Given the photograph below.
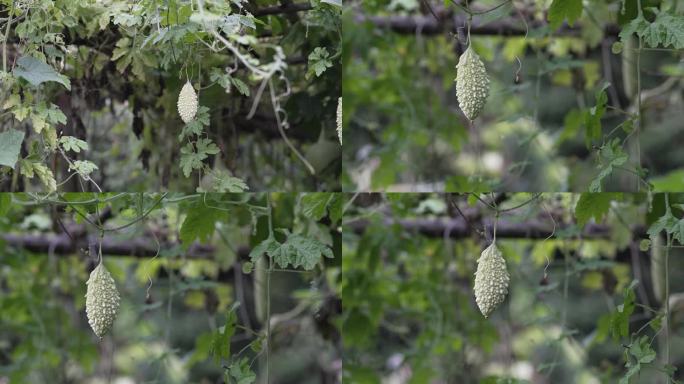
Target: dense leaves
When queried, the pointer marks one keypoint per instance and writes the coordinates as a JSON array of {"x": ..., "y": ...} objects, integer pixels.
[
  {"x": 109, "y": 74},
  {"x": 582, "y": 304},
  {"x": 190, "y": 310},
  {"x": 565, "y": 112}
]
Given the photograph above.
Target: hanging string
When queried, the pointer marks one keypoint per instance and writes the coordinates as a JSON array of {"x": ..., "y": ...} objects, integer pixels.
[
  {"x": 99, "y": 246},
  {"x": 496, "y": 222},
  {"x": 469, "y": 22}
]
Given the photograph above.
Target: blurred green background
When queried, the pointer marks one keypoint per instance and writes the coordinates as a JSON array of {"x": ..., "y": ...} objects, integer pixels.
[
  {"x": 409, "y": 309},
  {"x": 193, "y": 309},
  {"x": 406, "y": 133}
]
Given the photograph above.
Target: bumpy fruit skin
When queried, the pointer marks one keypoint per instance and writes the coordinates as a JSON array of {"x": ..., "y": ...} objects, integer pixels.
[
  {"x": 187, "y": 103},
  {"x": 491, "y": 280},
  {"x": 472, "y": 84},
  {"x": 102, "y": 300}
]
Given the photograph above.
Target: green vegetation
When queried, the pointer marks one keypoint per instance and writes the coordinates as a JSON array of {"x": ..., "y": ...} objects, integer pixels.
[
  {"x": 583, "y": 96},
  {"x": 587, "y": 302},
  {"x": 89, "y": 91},
  {"x": 231, "y": 288}
]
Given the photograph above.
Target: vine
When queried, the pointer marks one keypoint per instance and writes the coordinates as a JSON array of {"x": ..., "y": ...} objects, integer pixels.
[
  {"x": 125, "y": 57},
  {"x": 510, "y": 151},
  {"x": 142, "y": 225},
  {"x": 575, "y": 250}
]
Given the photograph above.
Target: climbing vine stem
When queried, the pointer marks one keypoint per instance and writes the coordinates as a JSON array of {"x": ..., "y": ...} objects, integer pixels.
[
  {"x": 471, "y": 13},
  {"x": 638, "y": 96},
  {"x": 134, "y": 221},
  {"x": 268, "y": 292},
  {"x": 493, "y": 205},
  {"x": 667, "y": 287}
]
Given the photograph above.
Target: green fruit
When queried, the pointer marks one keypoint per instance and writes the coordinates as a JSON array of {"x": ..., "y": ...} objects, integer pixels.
[
  {"x": 491, "y": 280},
  {"x": 102, "y": 300},
  {"x": 472, "y": 84},
  {"x": 187, "y": 103}
]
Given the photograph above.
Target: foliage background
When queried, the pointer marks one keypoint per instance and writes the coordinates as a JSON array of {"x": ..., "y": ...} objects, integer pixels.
[
  {"x": 572, "y": 314},
  {"x": 108, "y": 74},
  {"x": 181, "y": 265},
  {"x": 551, "y": 122}
]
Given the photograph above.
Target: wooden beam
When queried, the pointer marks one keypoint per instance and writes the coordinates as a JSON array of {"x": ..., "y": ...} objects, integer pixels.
[
  {"x": 427, "y": 25},
  {"x": 282, "y": 9},
  {"x": 143, "y": 246},
  {"x": 457, "y": 228}
]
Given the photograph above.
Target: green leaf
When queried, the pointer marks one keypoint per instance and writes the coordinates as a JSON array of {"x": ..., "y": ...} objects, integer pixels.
[
  {"x": 37, "y": 72},
  {"x": 594, "y": 205},
  {"x": 192, "y": 155},
  {"x": 666, "y": 222},
  {"x": 592, "y": 118},
  {"x": 642, "y": 351},
  {"x": 241, "y": 372},
  {"x": 620, "y": 318},
  {"x": 196, "y": 126},
  {"x": 223, "y": 182},
  {"x": 189, "y": 160},
  {"x": 265, "y": 247},
  {"x": 55, "y": 115},
  {"x": 207, "y": 146},
  {"x": 220, "y": 343},
  {"x": 45, "y": 175},
  {"x": 300, "y": 251},
  {"x": 199, "y": 223},
  {"x": 314, "y": 205},
  {"x": 297, "y": 251},
  {"x": 83, "y": 167},
  {"x": 319, "y": 62},
  {"x": 637, "y": 25},
  {"x": 10, "y": 146},
  {"x": 666, "y": 30},
  {"x": 335, "y": 207},
  {"x": 70, "y": 143},
  {"x": 611, "y": 155},
  {"x": 240, "y": 85},
  {"x": 564, "y": 9}
]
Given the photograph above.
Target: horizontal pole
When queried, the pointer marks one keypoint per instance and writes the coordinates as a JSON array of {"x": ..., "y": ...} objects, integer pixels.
[
  {"x": 457, "y": 228},
  {"x": 427, "y": 25},
  {"x": 282, "y": 9},
  {"x": 142, "y": 247}
]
